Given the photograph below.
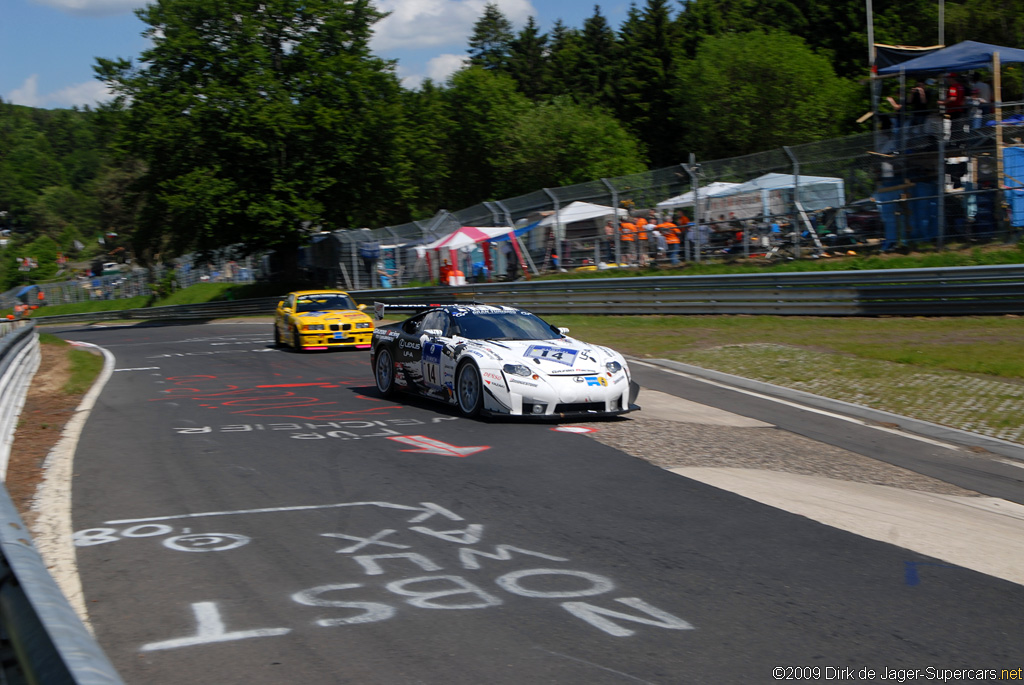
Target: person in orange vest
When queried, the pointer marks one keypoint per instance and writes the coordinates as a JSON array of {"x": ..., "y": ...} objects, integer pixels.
[
  {"x": 627, "y": 234},
  {"x": 446, "y": 272},
  {"x": 41, "y": 297},
  {"x": 642, "y": 238},
  {"x": 672, "y": 238}
]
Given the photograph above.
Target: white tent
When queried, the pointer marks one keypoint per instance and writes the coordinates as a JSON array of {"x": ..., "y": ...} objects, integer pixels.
[
  {"x": 772, "y": 194},
  {"x": 580, "y": 211},
  {"x": 687, "y": 199}
]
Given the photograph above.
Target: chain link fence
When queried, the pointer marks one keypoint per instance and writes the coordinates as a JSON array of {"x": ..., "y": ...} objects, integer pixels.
[
  {"x": 123, "y": 281},
  {"x": 910, "y": 184},
  {"x": 937, "y": 182}
]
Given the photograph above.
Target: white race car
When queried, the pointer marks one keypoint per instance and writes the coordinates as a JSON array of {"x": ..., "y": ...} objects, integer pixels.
[{"x": 498, "y": 361}]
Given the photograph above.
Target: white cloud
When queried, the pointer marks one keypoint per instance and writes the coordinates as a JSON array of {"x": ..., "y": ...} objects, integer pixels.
[
  {"x": 432, "y": 23},
  {"x": 438, "y": 69},
  {"x": 94, "y": 8},
  {"x": 443, "y": 66},
  {"x": 88, "y": 93},
  {"x": 27, "y": 95}
]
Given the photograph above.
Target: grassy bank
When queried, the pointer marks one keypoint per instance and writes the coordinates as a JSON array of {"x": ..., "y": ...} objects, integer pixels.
[
  {"x": 955, "y": 255},
  {"x": 991, "y": 345},
  {"x": 965, "y": 372},
  {"x": 84, "y": 366}
]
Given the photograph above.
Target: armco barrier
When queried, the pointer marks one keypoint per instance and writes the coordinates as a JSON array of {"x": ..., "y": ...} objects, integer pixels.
[
  {"x": 44, "y": 641},
  {"x": 953, "y": 291},
  {"x": 19, "y": 359}
]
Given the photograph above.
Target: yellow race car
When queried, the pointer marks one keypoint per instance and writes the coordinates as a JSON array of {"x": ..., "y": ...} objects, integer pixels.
[{"x": 321, "y": 319}]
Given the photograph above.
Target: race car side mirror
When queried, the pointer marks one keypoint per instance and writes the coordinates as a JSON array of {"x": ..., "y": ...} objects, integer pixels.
[
  {"x": 360, "y": 307},
  {"x": 563, "y": 331},
  {"x": 434, "y": 332}
]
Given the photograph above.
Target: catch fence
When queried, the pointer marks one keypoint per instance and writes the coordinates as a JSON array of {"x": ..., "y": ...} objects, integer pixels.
[
  {"x": 894, "y": 190},
  {"x": 902, "y": 187},
  {"x": 125, "y": 281}
]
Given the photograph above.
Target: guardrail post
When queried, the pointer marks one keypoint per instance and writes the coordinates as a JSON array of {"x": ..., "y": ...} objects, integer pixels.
[
  {"x": 693, "y": 170},
  {"x": 615, "y": 219}
]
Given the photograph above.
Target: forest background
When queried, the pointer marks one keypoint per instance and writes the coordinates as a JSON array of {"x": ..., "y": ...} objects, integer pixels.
[{"x": 253, "y": 122}]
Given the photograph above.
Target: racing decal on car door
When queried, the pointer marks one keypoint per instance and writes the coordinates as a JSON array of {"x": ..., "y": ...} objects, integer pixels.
[
  {"x": 561, "y": 355},
  {"x": 431, "y": 364}
]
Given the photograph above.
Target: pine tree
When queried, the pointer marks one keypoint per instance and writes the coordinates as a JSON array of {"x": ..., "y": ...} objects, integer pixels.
[
  {"x": 527, "y": 62},
  {"x": 490, "y": 44},
  {"x": 646, "y": 80}
]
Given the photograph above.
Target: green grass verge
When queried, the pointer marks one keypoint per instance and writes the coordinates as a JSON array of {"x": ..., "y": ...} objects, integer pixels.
[
  {"x": 954, "y": 256},
  {"x": 990, "y": 345},
  {"x": 85, "y": 366}
]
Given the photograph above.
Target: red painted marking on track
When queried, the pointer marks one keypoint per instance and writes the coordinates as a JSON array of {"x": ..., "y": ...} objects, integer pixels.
[{"x": 230, "y": 391}]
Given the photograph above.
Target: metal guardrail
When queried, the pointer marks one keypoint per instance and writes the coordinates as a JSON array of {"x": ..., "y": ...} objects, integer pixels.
[
  {"x": 43, "y": 639},
  {"x": 949, "y": 291},
  {"x": 19, "y": 359}
]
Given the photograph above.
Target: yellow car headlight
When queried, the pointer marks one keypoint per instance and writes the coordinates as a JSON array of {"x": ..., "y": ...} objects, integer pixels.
[
  {"x": 364, "y": 324},
  {"x": 313, "y": 327}
]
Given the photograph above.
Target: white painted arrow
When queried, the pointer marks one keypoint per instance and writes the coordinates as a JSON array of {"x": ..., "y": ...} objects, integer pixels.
[{"x": 427, "y": 445}]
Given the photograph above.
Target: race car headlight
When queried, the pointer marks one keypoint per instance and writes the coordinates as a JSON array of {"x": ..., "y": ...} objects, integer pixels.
[
  {"x": 517, "y": 369},
  {"x": 313, "y": 327},
  {"x": 613, "y": 367},
  {"x": 364, "y": 324}
]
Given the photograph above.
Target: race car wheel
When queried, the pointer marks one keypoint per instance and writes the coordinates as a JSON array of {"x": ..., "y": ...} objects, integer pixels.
[
  {"x": 296, "y": 340},
  {"x": 384, "y": 372},
  {"x": 469, "y": 389},
  {"x": 277, "y": 336}
]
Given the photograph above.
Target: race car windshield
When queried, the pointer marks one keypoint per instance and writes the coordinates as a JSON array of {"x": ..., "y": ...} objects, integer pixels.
[
  {"x": 316, "y": 303},
  {"x": 508, "y": 326}
]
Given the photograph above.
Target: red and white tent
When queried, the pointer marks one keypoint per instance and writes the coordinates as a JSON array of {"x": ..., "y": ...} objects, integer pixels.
[{"x": 466, "y": 236}]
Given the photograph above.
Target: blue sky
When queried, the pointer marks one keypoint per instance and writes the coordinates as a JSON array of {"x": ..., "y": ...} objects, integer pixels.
[{"x": 48, "y": 47}]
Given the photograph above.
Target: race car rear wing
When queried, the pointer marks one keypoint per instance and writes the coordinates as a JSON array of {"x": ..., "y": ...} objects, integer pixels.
[{"x": 379, "y": 308}]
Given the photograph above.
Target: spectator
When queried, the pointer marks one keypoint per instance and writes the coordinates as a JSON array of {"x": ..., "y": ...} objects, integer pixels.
[
  {"x": 981, "y": 95},
  {"x": 511, "y": 261},
  {"x": 627, "y": 235},
  {"x": 698, "y": 238},
  {"x": 661, "y": 240},
  {"x": 918, "y": 103},
  {"x": 955, "y": 102},
  {"x": 609, "y": 240},
  {"x": 672, "y": 239},
  {"x": 642, "y": 240},
  {"x": 683, "y": 222}
]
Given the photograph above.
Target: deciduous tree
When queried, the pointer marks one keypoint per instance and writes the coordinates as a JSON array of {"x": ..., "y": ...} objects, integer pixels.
[
  {"x": 257, "y": 118},
  {"x": 759, "y": 91}
]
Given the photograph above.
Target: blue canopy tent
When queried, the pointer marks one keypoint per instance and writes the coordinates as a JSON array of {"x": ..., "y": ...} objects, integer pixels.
[
  {"x": 966, "y": 56},
  {"x": 26, "y": 292},
  {"x": 960, "y": 57}
]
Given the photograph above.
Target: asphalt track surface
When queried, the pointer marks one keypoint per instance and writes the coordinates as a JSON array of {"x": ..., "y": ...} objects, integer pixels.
[{"x": 248, "y": 514}]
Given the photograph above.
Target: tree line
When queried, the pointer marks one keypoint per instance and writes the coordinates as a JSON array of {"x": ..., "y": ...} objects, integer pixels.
[{"x": 259, "y": 121}]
